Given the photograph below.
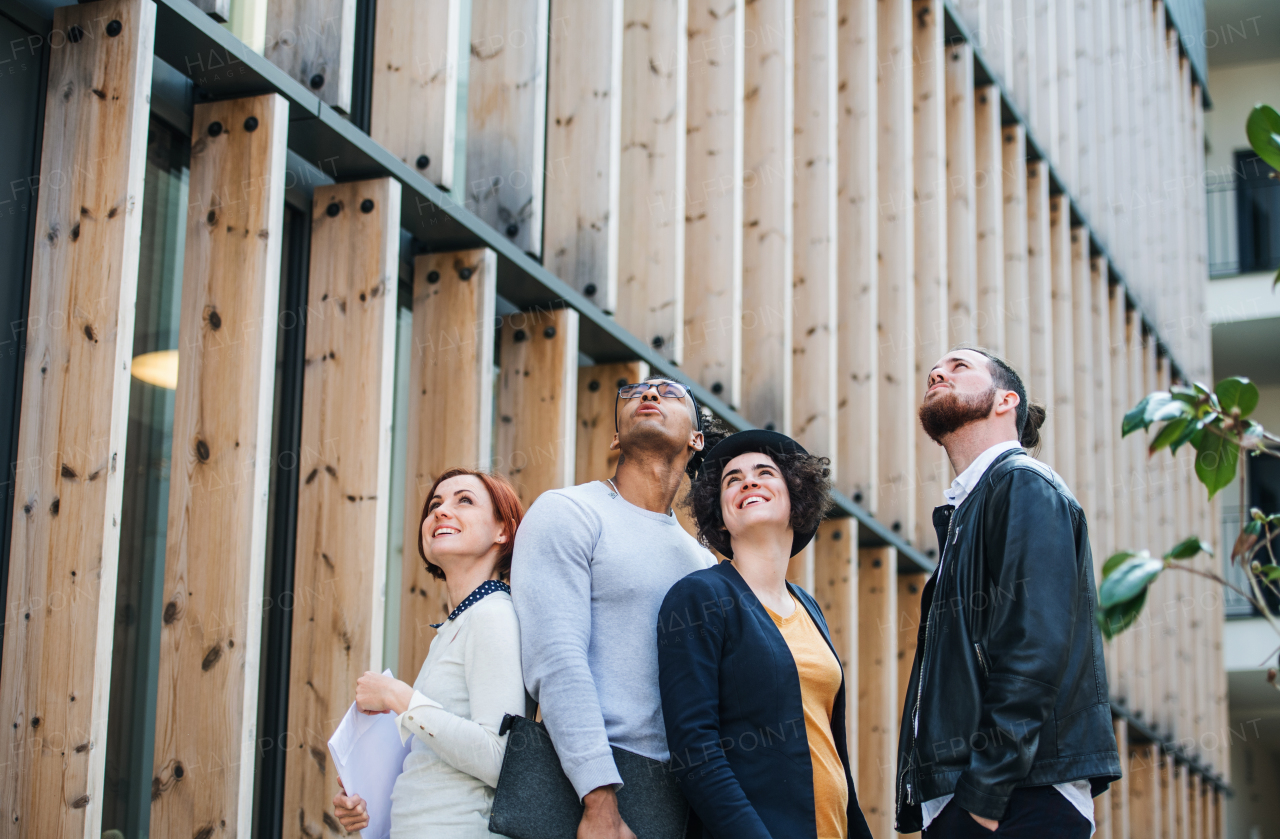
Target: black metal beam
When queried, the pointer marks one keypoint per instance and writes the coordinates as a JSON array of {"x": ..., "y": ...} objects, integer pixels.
[{"x": 1148, "y": 734}]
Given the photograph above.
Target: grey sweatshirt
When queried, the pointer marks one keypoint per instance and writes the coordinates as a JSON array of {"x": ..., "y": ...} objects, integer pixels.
[{"x": 587, "y": 579}]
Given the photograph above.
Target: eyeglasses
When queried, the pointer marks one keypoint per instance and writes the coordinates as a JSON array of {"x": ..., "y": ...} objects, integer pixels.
[{"x": 666, "y": 389}]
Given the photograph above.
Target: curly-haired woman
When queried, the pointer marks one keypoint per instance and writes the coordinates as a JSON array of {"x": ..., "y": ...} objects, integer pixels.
[
  {"x": 471, "y": 677},
  {"x": 753, "y": 695}
]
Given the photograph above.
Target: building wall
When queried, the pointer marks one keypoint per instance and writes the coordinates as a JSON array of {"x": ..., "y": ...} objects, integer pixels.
[{"x": 1236, "y": 89}]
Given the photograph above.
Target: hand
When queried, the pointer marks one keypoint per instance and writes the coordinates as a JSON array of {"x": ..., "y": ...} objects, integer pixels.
[
  {"x": 601, "y": 819},
  {"x": 989, "y": 824},
  {"x": 379, "y": 694},
  {"x": 350, "y": 810}
]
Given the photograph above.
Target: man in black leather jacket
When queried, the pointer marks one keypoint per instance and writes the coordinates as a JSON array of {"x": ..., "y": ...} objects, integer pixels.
[{"x": 1007, "y": 725}]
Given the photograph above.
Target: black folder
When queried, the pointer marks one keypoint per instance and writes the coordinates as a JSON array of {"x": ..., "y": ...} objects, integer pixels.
[{"x": 535, "y": 800}]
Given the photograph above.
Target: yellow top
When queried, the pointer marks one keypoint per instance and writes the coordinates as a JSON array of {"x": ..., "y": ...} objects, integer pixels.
[{"x": 820, "y": 676}]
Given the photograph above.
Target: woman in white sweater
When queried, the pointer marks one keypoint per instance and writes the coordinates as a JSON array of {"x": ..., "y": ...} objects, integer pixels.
[{"x": 471, "y": 677}]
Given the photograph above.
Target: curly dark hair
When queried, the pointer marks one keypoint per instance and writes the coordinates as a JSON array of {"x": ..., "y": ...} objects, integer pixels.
[{"x": 808, "y": 480}]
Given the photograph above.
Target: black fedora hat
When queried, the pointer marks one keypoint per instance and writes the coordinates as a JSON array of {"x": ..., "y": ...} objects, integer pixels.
[{"x": 771, "y": 443}]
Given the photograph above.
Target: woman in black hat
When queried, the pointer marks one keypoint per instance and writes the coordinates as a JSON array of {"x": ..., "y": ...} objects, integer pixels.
[{"x": 753, "y": 695}]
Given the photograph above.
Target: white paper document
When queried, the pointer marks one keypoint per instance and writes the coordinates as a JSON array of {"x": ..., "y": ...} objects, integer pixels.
[{"x": 367, "y": 752}]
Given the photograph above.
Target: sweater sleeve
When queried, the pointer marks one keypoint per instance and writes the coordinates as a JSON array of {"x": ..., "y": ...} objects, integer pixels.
[
  {"x": 551, "y": 588},
  {"x": 495, "y": 688},
  {"x": 690, "y": 640}
]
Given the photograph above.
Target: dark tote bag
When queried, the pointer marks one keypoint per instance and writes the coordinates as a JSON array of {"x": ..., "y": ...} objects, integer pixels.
[{"x": 535, "y": 800}]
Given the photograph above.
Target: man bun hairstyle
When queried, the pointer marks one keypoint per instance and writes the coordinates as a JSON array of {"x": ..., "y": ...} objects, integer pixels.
[{"x": 1030, "y": 415}]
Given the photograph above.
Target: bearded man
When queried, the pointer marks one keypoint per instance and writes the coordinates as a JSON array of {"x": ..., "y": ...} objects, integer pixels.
[{"x": 1007, "y": 725}]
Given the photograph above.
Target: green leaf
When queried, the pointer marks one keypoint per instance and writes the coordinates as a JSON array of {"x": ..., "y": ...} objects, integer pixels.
[
  {"x": 1201, "y": 389},
  {"x": 1116, "y": 619},
  {"x": 1253, "y": 528},
  {"x": 1216, "y": 461},
  {"x": 1192, "y": 428},
  {"x": 1237, "y": 392},
  {"x": 1171, "y": 431},
  {"x": 1129, "y": 580},
  {"x": 1184, "y": 394},
  {"x": 1135, "y": 419},
  {"x": 1270, "y": 572},
  {"x": 1115, "y": 560},
  {"x": 1188, "y": 548},
  {"x": 1263, "y": 129},
  {"x": 1171, "y": 409}
]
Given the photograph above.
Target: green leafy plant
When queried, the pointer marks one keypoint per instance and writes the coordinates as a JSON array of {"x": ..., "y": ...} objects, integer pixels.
[
  {"x": 1263, "y": 130},
  {"x": 1216, "y": 424}
]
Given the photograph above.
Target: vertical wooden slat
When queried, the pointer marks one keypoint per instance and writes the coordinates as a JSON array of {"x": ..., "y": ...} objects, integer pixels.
[
  {"x": 857, "y": 265},
  {"x": 1062, "y": 405},
  {"x": 1144, "y": 792},
  {"x": 835, "y": 587},
  {"x": 989, "y": 198},
  {"x": 416, "y": 109},
  {"x": 896, "y": 293},
  {"x": 714, "y": 196},
  {"x": 814, "y": 334},
  {"x": 1044, "y": 120},
  {"x": 767, "y": 198},
  {"x": 1085, "y": 489},
  {"x": 597, "y": 395},
  {"x": 962, "y": 222},
  {"x": 1086, "y": 106},
  {"x": 534, "y": 433},
  {"x": 651, "y": 173},
  {"x": 450, "y": 411},
  {"x": 933, "y": 471},
  {"x": 344, "y": 476},
  {"x": 69, "y": 468},
  {"x": 1024, "y": 81},
  {"x": 314, "y": 41},
  {"x": 1120, "y": 796},
  {"x": 1040, "y": 297},
  {"x": 1017, "y": 298},
  {"x": 1123, "y": 687},
  {"x": 878, "y": 712},
  {"x": 215, "y": 557},
  {"x": 506, "y": 118},
  {"x": 1135, "y": 488},
  {"x": 1067, "y": 144},
  {"x": 584, "y": 117}
]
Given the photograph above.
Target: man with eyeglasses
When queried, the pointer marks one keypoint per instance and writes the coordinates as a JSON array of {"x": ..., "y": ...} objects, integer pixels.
[{"x": 591, "y": 566}]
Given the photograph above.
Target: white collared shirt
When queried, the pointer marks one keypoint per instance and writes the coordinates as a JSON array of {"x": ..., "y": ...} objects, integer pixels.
[{"x": 1078, "y": 793}]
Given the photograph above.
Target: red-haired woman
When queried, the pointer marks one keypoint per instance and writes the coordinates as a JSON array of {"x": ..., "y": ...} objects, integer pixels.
[{"x": 471, "y": 677}]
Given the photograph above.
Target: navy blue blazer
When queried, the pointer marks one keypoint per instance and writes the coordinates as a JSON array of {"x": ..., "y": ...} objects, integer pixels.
[{"x": 733, "y": 713}]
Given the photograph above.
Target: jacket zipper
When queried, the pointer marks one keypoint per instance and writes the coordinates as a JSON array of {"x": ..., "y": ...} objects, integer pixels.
[
  {"x": 915, "y": 716},
  {"x": 982, "y": 660}
]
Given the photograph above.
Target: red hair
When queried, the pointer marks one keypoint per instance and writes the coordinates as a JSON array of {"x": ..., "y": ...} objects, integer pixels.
[{"x": 506, "y": 511}]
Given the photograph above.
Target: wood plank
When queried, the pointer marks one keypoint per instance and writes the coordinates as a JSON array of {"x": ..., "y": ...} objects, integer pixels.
[
  {"x": 835, "y": 587},
  {"x": 1184, "y": 801},
  {"x": 1135, "y": 487},
  {"x": 1104, "y": 421},
  {"x": 534, "y": 436},
  {"x": 1067, "y": 144},
  {"x": 1120, "y": 796},
  {"x": 999, "y": 46},
  {"x": 714, "y": 198},
  {"x": 506, "y": 117},
  {"x": 1040, "y": 297},
  {"x": 597, "y": 397},
  {"x": 1102, "y": 105},
  {"x": 1024, "y": 81},
  {"x": 933, "y": 470},
  {"x": 69, "y": 467},
  {"x": 220, "y": 468},
  {"x": 651, "y": 166},
  {"x": 857, "y": 266},
  {"x": 418, "y": 111},
  {"x": 1144, "y": 792},
  {"x": 895, "y": 328},
  {"x": 1062, "y": 404},
  {"x": 1044, "y": 119},
  {"x": 768, "y": 196},
  {"x": 962, "y": 220},
  {"x": 989, "y": 198},
  {"x": 1087, "y": 107},
  {"x": 1123, "y": 687},
  {"x": 878, "y": 711},
  {"x": 450, "y": 414},
  {"x": 1086, "y": 486},
  {"x": 1017, "y": 297},
  {"x": 314, "y": 41},
  {"x": 815, "y": 280},
  {"x": 800, "y": 569},
  {"x": 344, "y": 476},
  {"x": 584, "y": 121}
]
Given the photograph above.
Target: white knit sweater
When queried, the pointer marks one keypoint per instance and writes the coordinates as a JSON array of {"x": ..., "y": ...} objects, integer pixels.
[{"x": 471, "y": 678}]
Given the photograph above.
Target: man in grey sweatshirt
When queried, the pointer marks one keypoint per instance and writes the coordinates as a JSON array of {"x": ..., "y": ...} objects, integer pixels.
[{"x": 591, "y": 566}]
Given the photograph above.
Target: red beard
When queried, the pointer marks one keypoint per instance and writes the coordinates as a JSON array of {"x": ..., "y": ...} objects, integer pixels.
[{"x": 948, "y": 412}]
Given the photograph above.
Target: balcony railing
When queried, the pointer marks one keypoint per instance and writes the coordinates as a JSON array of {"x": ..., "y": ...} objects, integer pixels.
[{"x": 1244, "y": 220}]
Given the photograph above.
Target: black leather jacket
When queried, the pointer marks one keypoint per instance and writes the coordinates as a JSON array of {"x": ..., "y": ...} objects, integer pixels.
[{"x": 1008, "y": 682}]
